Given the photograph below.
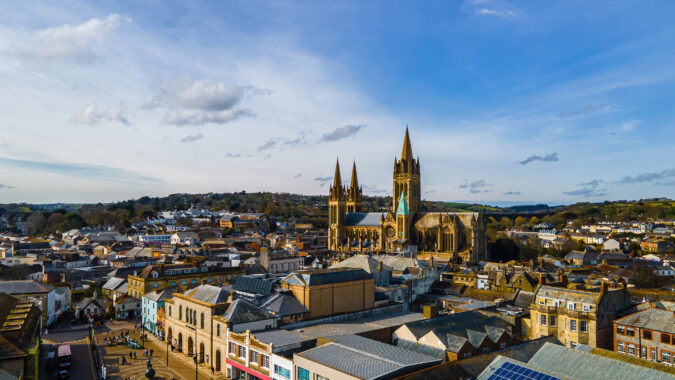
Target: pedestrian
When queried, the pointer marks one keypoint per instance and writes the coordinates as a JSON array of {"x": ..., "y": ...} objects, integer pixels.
[
  {"x": 131, "y": 355},
  {"x": 151, "y": 352},
  {"x": 212, "y": 371},
  {"x": 134, "y": 355}
]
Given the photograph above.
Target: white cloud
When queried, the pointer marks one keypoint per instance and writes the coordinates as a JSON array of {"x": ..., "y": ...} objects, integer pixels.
[
  {"x": 202, "y": 102},
  {"x": 74, "y": 43},
  {"x": 90, "y": 115},
  {"x": 494, "y": 8}
]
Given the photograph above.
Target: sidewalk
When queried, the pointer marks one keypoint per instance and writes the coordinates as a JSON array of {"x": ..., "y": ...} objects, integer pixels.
[{"x": 178, "y": 362}]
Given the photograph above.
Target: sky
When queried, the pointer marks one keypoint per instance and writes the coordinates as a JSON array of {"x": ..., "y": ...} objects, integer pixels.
[{"x": 528, "y": 101}]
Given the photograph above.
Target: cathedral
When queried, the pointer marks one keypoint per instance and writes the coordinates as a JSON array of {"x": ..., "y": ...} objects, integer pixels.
[{"x": 457, "y": 235}]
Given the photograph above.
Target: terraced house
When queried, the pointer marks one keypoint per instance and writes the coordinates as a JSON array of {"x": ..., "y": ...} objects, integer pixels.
[
  {"x": 576, "y": 315},
  {"x": 648, "y": 334}
]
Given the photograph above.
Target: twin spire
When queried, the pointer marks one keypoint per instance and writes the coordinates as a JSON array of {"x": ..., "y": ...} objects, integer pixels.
[{"x": 337, "y": 180}]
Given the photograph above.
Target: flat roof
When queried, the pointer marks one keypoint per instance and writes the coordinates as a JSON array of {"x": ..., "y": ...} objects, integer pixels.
[{"x": 357, "y": 326}]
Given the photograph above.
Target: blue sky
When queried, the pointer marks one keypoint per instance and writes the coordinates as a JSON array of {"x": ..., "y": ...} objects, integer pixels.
[{"x": 552, "y": 102}]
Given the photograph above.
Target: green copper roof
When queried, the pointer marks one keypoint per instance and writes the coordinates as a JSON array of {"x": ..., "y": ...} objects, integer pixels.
[{"x": 402, "y": 205}]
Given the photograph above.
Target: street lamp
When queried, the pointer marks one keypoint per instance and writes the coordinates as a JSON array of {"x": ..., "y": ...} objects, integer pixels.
[
  {"x": 196, "y": 365},
  {"x": 167, "y": 350}
]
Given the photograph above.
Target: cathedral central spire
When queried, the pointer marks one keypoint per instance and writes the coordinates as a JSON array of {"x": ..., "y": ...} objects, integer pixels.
[{"x": 406, "y": 152}]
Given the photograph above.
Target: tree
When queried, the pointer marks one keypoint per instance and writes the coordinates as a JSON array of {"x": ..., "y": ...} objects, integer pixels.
[
  {"x": 534, "y": 221},
  {"x": 36, "y": 223},
  {"x": 520, "y": 221},
  {"x": 505, "y": 223}
]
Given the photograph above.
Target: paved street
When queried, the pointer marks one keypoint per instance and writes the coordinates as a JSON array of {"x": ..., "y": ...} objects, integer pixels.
[{"x": 179, "y": 366}]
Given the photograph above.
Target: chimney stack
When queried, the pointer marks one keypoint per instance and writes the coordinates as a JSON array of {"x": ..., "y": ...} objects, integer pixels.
[
  {"x": 563, "y": 279},
  {"x": 542, "y": 279}
]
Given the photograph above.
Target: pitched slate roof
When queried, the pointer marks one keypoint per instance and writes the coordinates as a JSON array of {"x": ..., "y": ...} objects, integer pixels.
[
  {"x": 242, "y": 311},
  {"x": 576, "y": 295},
  {"x": 366, "y": 358},
  {"x": 652, "y": 319},
  {"x": 363, "y": 218},
  {"x": 253, "y": 285},
  {"x": 114, "y": 282},
  {"x": 579, "y": 364},
  {"x": 366, "y": 262},
  {"x": 284, "y": 304},
  {"x": 327, "y": 276},
  {"x": 24, "y": 287},
  {"x": 208, "y": 293}
]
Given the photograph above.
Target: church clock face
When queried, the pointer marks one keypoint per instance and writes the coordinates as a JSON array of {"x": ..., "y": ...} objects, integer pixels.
[{"x": 390, "y": 233}]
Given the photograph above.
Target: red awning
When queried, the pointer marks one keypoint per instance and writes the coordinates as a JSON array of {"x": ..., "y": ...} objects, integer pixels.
[{"x": 247, "y": 370}]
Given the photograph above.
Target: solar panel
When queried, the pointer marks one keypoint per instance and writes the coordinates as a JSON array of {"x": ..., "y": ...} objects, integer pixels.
[{"x": 510, "y": 371}]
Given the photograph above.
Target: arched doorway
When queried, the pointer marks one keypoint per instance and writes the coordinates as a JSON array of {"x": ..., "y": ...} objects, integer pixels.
[
  {"x": 218, "y": 360},
  {"x": 201, "y": 352},
  {"x": 190, "y": 346},
  {"x": 180, "y": 342}
]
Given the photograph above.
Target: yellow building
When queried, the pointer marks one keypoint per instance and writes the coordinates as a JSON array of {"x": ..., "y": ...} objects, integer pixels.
[
  {"x": 183, "y": 276},
  {"x": 449, "y": 234},
  {"x": 463, "y": 277},
  {"x": 576, "y": 315},
  {"x": 327, "y": 292}
]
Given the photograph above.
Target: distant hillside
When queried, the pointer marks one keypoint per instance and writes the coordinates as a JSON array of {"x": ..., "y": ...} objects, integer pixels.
[{"x": 308, "y": 208}]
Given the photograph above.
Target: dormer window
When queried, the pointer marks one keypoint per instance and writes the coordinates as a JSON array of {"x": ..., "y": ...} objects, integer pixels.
[{"x": 570, "y": 306}]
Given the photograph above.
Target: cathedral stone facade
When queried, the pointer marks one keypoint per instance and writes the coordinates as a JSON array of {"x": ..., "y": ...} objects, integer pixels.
[{"x": 446, "y": 234}]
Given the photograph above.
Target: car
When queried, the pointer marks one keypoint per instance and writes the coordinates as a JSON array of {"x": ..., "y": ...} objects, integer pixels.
[{"x": 63, "y": 374}]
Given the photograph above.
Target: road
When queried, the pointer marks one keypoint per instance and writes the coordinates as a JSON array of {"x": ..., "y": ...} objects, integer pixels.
[{"x": 75, "y": 335}]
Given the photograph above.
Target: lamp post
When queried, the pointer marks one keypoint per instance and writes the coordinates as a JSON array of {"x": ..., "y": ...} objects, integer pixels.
[{"x": 196, "y": 366}]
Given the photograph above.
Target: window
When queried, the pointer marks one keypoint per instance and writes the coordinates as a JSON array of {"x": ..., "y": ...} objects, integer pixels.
[
  {"x": 194, "y": 281},
  {"x": 665, "y": 338},
  {"x": 665, "y": 356},
  {"x": 573, "y": 325},
  {"x": 254, "y": 357},
  {"x": 556, "y": 303},
  {"x": 583, "y": 325},
  {"x": 319, "y": 377},
  {"x": 586, "y": 308},
  {"x": 552, "y": 321},
  {"x": 233, "y": 348},
  {"x": 201, "y": 322},
  {"x": 486, "y": 349},
  {"x": 543, "y": 320},
  {"x": 467, "y": 355},
  {"x": 653, "y": 354},
  {"x": 218, "y": 329},
  {"x": 630, "y": 331},
  {"x": 265, "y": 361},
  {"x": 303, "y": 374},
  {"x": 281, "y": 371},
  {"x": 631, "y": 349},
  {"x": 646, "y": 334},
  {"x": 644, "y": 352},
  {"x": 502, "y": 345},
  {"x": 570, "y": 306},
  {"x": 621, "y": 330},
  {"x": 621, "y": 347},
  {"x": 173, "y": 283},
  {"x": 242, "y": 352},
  {"x": 180, "y": 312},
  {"x": 183, "y": 282}
]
